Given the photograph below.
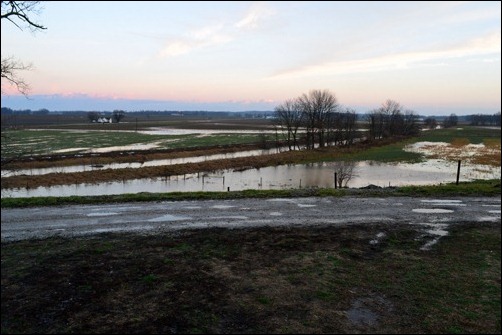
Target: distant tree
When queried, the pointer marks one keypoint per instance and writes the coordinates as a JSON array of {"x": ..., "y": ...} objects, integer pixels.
[
  {"x": 393, "y": 117},
  {"x": 7, "y": 110},
  {"x": 93, "y": 116},
  {"x": 341, "y": 127},
  {"x": 376, "y": 124},
  {"x": 118, "y": 115},
  {"x": 43, "y": 111},
  {"x": 317, "y": 106},
  {"x": 430, "y": 122},
  {"x": 289, "y": 116},
  {"x": 496, "y": 119},
  {"x": 18, "y": 13},
  {"x": 313, "y": 112},
  {"x": 450, "y": 121},
  {"x": 411, "y": 127},
  {"x": 392, "y": 120}
]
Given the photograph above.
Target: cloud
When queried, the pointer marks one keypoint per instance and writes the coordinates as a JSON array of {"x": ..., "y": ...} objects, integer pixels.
[
  {"x": 203, "y": 37},
  {"x": 257, "y": 13},
  {"x": 216, "y": 34},
  {"x": 485, "y": 45}
]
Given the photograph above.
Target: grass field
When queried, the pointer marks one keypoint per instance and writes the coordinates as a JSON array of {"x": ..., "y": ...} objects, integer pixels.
[{"x": 271, "y": 280}]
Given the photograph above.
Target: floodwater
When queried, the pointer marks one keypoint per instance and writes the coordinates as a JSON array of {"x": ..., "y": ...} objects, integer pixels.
[
  {"x": 317, "y": 175},
  {"x": 136, "y": 165}
]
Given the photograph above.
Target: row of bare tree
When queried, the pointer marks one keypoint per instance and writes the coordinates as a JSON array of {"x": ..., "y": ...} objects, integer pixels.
[
  {"x": 317, "y": 119},
  {"x": 314, "y": 119}
]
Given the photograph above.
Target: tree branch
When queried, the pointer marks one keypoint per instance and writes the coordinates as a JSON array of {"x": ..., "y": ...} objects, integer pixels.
[{"x": 12, "y": 10}]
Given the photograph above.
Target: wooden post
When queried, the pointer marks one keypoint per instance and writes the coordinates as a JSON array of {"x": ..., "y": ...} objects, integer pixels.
[
  {"x": 458, "y": 171},
  {"x": 335, "y": 181}
]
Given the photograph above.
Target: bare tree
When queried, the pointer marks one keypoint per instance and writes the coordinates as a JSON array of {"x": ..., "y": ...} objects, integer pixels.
[
  {"x": 450, "y": 121},
  {"x": 431, "y": 122},
  {"x": 376, "y": 124},
  {"x": 289, "y": 116},
  {"x": 93, "y": 116},
  {"x": 391, "y": 120},
  {"x": 10, "y": 69},
  {"x": 393, "y": 117},
  {"x": 345, "y": 171},
  {"x": 317, "y": 106},
  {"x": 18, "y": 13},
  {"x": 118, "y": 115}
]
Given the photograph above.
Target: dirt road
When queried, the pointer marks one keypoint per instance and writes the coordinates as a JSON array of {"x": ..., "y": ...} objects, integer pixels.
[{"x": 433, "y": 216}]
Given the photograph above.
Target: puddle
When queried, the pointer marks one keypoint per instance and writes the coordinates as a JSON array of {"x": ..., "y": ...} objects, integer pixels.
[
  {"x": 427, "y": 246},
  {"x": 437, "y": 230},
  {"x": 117, "y": 229},
  {"x": 489, "y": 218},
  {"x": 431, "y": 210},
  {"x": 379, "y": 236},
  {"x": 360, "y": 316},
  {"x": 102, "y": 214},
  {"x": 363, "y": 311},
  {"x": 169, "y": 218}
]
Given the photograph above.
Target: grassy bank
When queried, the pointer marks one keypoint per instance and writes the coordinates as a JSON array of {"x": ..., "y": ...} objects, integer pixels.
[
  {"x": 270, "y": 280},
  {"x": 475, "y": 188}
]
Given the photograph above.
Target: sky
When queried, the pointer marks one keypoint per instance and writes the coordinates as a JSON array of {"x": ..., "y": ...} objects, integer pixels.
[{"x": 435, "y": 58}]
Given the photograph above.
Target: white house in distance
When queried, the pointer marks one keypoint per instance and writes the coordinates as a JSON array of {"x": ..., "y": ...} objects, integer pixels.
[{"x": 103, "y": 119}]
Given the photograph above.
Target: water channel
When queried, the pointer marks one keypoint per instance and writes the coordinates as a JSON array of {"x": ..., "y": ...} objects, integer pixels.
[{"x": 317, "y": 175}]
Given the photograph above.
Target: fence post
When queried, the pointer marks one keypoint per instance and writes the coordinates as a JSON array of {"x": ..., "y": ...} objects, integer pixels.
[
  {"x": 335, "y": 181},
  {"x": 458, "y": 171}
]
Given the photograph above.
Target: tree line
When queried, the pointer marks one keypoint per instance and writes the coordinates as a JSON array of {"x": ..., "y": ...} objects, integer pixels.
[{"x": 317, "y": 119}]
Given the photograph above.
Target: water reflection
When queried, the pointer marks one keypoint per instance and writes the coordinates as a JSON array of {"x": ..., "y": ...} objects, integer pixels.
[
  {"x": 158, "y": 162},
  {"x": 280, "y": 177}
]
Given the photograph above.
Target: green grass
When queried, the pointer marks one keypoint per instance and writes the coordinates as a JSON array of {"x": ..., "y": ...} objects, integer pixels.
[
  {"x": 44, "y": 142},
  {"x": 475, "y": 135},
  {"x": 388, "y": 153}
]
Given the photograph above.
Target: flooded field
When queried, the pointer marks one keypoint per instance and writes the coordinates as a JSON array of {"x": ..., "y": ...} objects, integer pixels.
[
  {"x": 439, "y": 165},
  {"x": 319, "y": 175}
]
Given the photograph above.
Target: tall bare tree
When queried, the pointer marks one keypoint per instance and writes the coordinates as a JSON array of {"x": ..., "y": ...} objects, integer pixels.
[
  {"x": 317, "y": 106},
  {"x": 18, "y": 13},
  {"x": 392, "y": 120},
  {"x": 288, "y": 115}
]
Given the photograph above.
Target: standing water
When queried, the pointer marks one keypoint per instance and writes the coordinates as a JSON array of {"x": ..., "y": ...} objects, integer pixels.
[{"x": 317, "y": 175}]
